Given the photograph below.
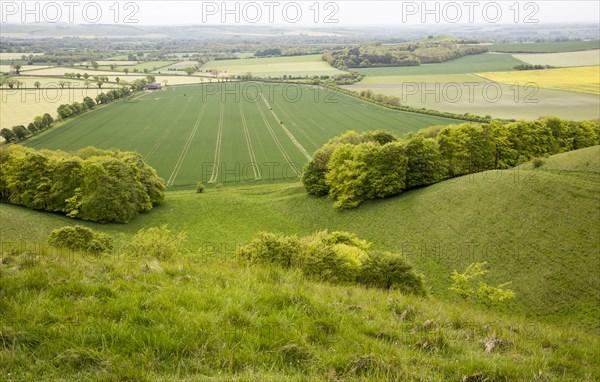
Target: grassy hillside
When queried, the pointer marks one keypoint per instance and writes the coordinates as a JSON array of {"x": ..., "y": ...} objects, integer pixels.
[
  {"x": 77, "y": 318},
  {"x": 534, "y": 227}
]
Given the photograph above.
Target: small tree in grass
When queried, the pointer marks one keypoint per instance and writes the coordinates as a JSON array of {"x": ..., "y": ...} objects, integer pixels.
[
  {"x": 199, "y": 187},
  {"x": 486, "y": 294}
]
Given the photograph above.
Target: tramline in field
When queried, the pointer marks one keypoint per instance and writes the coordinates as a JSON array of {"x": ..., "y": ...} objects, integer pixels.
[{"x": 228, "y": 133}]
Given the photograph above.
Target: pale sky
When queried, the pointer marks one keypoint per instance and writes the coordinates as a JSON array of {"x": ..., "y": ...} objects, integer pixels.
[{"x": 303, "y": 13}]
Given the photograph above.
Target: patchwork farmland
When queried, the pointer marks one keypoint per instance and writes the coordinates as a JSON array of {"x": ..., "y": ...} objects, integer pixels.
[{"x": 228, "y": 133}]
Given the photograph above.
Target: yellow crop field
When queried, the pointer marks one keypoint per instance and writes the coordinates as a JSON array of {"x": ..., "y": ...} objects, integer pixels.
[{"x": 584, "y": 79}]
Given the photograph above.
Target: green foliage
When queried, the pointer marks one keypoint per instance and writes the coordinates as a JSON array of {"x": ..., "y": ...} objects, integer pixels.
[
  {"x": 338, "y": 257},
  {"x": 388, "y": 270},
  {"x": 485, "y": 294},
  {"x": 284, "y": 251},
  {"x": 156, "y": 243},
  {"x": 78, "y": 238},
  {"x": 357, "y": 167},
  {"x": 366, "y": 171},
  {"x": 199, "y": 188},
  {"x": 425, "y": 163},
  {"x": 408, "y": 54},
  {"x": 104, "y": 186}
]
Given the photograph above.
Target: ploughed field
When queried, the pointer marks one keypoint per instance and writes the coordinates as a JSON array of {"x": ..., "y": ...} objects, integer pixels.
[{"x": 229, "y": 132}]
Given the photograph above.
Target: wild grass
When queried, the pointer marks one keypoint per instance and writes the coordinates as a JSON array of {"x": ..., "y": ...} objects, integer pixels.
[{"x": 75, "y": 317}]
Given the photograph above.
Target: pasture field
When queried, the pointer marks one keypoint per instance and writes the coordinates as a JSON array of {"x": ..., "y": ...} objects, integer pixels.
[
  {"x": 496, "y": 99},
  {"x": 545, "y": 47},
  {"x": 565, "y": 59},
  {"x": 580, "y": 79},
  {"x": 489, "y": 62},
  {"x": 310, "y": 65},
  {"x": 19, "y": 107},
  {"x": 228, "y": 133}
]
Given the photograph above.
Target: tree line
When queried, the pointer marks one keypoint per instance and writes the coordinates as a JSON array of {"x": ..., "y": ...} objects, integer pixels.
[
  {"x": 413, "y": 54},
  {"x": 89, "y": 184},
  {"x": 353, "y": 167}
]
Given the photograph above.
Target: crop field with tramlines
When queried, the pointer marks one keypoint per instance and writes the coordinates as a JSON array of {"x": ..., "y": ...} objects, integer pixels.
[{"x": 228, "y": 133}]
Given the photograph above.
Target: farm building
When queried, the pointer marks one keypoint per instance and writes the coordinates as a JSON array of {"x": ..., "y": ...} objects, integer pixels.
[{"x": 154, "y": 86}]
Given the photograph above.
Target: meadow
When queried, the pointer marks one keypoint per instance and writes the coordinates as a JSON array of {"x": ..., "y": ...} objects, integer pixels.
[
  {"x": 228, "y": 133},
  {"x": 545, "y": 47},
  {"x": 310, "y": 65},
  {"x": 565, "y": 59},
  {"x": 580, "y": 79}
]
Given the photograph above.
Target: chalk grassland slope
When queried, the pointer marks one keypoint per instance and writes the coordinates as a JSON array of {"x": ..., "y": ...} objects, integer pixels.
[
  {"x": 469, "y": 64},
  {"x": 76, "y": 318},
  {"x": 19, "y": 107},
  {"x": 496, "y": 99},
  {"x": 311, "y": 65},
  {"x": 566, "y": 59},
  {"x": 220, "y": 133},
  {"x": 546, "y": 47},
  {"x": 580, "y": 79},
  {"x": 537, "y": 228}
]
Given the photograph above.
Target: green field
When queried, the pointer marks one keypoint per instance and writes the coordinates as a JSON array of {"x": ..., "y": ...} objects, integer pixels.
[
  {"x": 311, "y": 65},
  {"x": 201, "y": 138},
  {"x": 496, "y": 99},
  {"x": 565, "y": 59},
  {"x": 546, "y": 47},
  {"x": 489, "y": 62}
]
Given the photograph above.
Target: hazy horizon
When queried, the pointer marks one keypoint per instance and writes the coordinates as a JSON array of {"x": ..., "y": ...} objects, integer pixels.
[{"x": 302, "y": 14}]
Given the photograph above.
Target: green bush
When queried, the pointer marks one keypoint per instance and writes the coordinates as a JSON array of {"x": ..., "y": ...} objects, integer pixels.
[
  {"x": 538, "y": 162},
  {"x": 78, "y": 238},
  {"x": 272, "y": 248},
  {"x": 391, "y": 271},
  {"x": 337, "y": 256},
  {"x": 199, "y": 188},
  {"x": 156, "y": 242},
  {"x": 334, "y": 263}
]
